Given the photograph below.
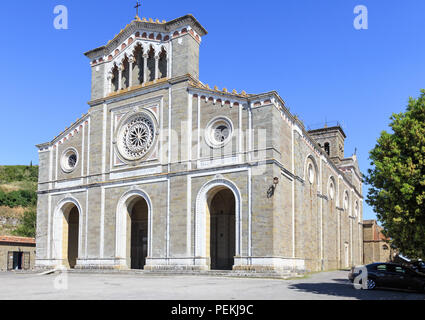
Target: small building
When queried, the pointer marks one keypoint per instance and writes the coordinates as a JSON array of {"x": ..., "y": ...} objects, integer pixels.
[
  {"x": 376, "y": 245},
  {"x": 16, "y": 253}
]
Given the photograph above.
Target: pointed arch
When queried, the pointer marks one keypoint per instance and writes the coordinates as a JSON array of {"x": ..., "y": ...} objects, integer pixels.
[
  {"x": 138, "y": 66},
  {"x": 151, "y": 64},
  {"x": 125, "y": 80},
  {"x": 115, "y": 78},
  {"x": 163, "y": 63}
]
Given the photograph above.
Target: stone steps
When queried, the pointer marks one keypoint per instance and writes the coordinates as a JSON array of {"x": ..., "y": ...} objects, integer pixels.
[{"x": 213, "y": 273}]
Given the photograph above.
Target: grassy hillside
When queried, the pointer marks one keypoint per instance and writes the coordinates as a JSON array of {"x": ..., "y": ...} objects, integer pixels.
[{"x": 18, "y": 186}]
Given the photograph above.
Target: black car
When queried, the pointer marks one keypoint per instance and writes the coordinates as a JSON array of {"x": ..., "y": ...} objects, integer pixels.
[
  {"x": 390, "y": 275},
  {"x": 418, "y": 266}
]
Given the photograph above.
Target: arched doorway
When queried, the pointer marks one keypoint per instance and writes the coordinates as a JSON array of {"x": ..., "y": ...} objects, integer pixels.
[
  {"x": 137, "y": 233},
  {"x": 221, "y": 226},
  {"x": 73, "y": 222},
  {"x": 66, "y": 233},
  {"x": 133, "y": 230}
]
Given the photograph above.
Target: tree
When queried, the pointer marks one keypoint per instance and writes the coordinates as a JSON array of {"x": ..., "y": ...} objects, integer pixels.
[
  {"x": 397, "y": 179},
  {"x": 27, "y": 228}
]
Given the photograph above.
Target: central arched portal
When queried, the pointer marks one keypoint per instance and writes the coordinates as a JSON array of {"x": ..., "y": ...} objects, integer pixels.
[
  {"x": 137, "y": 233},
  {"x": 72, "y": 241},
  {"x": 221, "y": 226}
]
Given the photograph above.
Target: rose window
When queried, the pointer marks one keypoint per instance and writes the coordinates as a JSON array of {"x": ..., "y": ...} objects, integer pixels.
[
  {"x": 219, "y": 132},
  {"x": 72, "y": 160},
  {"x": 69, "y": 160},
  {"x": 136, "y": 137}
]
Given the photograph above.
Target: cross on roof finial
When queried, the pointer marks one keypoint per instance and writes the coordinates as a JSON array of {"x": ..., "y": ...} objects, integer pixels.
[{"x": 138, "y": 4}]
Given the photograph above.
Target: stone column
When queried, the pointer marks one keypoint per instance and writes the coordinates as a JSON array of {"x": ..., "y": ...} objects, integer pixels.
[
  {"x": 156, "y": 67},
  {"x": 145, "y": 68},
  {"x": 109, "y": 78},
  {"x": 168, "y": 67},
  {"x": 120, "y": 70},
  {"x": 131, "y": 61}
]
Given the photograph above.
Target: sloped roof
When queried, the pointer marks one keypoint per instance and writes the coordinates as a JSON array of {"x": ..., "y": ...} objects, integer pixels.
[
  {"x": 151, "y": 25},
  {"x": 18, "y": 240}
]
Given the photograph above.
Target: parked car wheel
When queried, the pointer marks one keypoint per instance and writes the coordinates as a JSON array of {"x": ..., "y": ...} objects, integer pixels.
[{"x": 371, "y": 284}]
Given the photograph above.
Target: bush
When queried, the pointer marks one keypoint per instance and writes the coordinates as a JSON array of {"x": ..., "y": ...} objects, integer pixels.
[
  {"x": 27, "y": 227},
  {"x": 20, "y": 198},
  {"x": 18, "y": 173}
]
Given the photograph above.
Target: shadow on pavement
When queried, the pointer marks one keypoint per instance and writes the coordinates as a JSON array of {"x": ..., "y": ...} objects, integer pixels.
[{"x": 344, "y": 289}]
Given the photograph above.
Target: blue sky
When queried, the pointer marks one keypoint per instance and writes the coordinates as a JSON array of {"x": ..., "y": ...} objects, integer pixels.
[{"x": 307, "y": 50}]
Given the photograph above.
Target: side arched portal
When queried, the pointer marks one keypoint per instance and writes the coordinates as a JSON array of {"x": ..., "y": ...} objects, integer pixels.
[{"x": 67, "y": 229}]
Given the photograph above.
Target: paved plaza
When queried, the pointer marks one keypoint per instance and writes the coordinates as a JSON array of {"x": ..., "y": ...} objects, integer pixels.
[{"x": 88, "y": 286}]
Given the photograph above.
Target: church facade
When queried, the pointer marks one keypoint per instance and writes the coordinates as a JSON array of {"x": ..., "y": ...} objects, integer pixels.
[{"x": 165, "y": 173}]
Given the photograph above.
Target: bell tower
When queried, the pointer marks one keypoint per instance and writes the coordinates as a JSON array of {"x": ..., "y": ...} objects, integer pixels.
[
  {"x": 146, "y": 52},
  {"x": 332, "y": 140}
]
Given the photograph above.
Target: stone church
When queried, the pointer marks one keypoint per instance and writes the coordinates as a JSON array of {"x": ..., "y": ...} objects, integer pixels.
[{"x": 167, "y": 173}]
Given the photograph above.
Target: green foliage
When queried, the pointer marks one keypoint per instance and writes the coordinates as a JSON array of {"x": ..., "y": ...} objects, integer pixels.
[
  {"x": 397, "y": 179},
  {"x": 19, "y": 198},
  {"x": 18, "y": 173},
  {"x": 27, "y": 227}
]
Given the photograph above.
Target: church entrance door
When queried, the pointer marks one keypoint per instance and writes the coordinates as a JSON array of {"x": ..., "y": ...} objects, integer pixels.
[
  {"x": 72, "y": 237},
  {"x": 139, "y": 234},
  {"x": 222, "y": 229}
]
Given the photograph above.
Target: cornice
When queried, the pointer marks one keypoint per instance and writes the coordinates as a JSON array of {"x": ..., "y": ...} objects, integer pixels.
[{"x": 135, "y": 25}]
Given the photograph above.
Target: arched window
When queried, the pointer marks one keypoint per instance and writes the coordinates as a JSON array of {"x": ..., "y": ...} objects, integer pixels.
[
  {"x": 328, "y": 148},
  {"x": 115, "y": 76},
  {"x": 125, "y": 81},
  {"x": 138, "y": 66},
  {"x": 311, "y": 173},
  {"x": 345, "y": 200},
  {"x": 162, "y": 64},
  {"x": 332, "y": 190},
  {"x": 356, "y": 209},
  {"x": 151, "y": 65}
]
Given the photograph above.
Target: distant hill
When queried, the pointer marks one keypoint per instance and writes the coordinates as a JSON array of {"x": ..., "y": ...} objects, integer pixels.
[{"x": 18, "y": 186}]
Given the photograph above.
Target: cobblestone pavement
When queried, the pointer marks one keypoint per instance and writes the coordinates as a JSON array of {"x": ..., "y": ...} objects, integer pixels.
[{"x": 87, "y": 286}]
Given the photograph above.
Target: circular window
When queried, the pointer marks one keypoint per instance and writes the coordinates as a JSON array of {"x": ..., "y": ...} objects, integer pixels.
[
  {"x": 219, "y": 132},
  {"x": 136, "y": 137},
  {"x": 69, "y": 160},
  {"x": 311, "y": 173},
  {"x": 332, "y": 191}
]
